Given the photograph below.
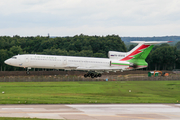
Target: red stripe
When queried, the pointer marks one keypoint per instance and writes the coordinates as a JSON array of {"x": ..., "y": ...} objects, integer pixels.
[{"x": 137, "y": 51}]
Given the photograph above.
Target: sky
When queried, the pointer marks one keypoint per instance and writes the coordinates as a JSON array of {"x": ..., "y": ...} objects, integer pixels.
[{"x": 126, "y": 18}]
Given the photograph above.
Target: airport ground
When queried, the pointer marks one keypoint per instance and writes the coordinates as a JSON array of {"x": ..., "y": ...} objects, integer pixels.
[
  {"x": 56, "y": 76},
  {"x": 76, "y": 73},
  {"x": 100, "y": 98},
  {"x": 93, "y": 111}
]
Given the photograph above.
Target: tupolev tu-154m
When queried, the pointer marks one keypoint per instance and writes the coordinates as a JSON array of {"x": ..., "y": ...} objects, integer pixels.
[{"x": 117, "y": 61}]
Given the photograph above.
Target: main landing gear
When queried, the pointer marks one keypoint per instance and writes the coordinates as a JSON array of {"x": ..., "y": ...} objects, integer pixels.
[
  {"x": 92, "y": 75},
  {"x": 27, "y": 72}
]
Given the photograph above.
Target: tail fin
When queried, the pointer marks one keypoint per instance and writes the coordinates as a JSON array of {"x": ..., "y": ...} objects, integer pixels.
[{"x": 138, "y": 54}]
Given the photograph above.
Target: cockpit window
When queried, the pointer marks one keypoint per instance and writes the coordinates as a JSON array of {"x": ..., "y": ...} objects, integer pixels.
[{"x": 14, "y": 57}]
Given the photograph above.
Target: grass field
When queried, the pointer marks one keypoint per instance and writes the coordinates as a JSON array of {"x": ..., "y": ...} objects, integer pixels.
[{"x": 90, "y": 92}]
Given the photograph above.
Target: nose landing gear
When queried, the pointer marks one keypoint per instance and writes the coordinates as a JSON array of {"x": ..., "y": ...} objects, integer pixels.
[{"x": 92, "y": 75}]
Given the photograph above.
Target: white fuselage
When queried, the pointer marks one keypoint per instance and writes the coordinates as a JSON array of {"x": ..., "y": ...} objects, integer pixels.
[
  {"x": 64, "y": 62},
  {"x": 117, "y": 60}
]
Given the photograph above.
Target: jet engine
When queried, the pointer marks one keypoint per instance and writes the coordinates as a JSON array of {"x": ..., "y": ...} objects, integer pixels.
[{"x": 133, "y": 65}]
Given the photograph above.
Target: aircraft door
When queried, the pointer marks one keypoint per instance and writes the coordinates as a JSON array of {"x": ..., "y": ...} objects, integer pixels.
[
  {"x": 64, "y": 60},
  {"x": 27, "y": 59}
]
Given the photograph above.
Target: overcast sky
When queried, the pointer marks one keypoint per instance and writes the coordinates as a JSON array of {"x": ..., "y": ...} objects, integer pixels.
[{"x": 134, "y": 18}]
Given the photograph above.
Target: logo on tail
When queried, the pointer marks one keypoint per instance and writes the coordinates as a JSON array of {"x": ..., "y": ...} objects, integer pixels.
[{"x": 134, "y": 53}]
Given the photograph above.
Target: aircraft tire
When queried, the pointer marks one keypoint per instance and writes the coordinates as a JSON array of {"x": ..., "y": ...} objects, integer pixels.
[
  {"x": 95, "y": 76},
  {"x": 85, "y": 75},
  {"x": 99, "y": 75},
  {"x": 92, "y": 76},
  {"x": 88, "y": 75}
]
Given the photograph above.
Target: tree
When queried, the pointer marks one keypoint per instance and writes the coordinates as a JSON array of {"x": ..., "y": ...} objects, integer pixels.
[
  {"x": 100, "y": 55},
  {"x": 164, "y": 57},
  {"x": 178, "y": 45},
  {"x": 79, "y": 45},
  {"x": 16, "y": 50},
  {"x": 3, "y": 57},
  {"x": 72, "y": 47},
  {"x": 177, "y": 63},
  {"x": 54, "y": 52},
  {"x": 131, "y": 47},
  {"x": 86, "y": 53},
  {"x": 164, "y": 45},
  {"x": 71, "y": 53}
]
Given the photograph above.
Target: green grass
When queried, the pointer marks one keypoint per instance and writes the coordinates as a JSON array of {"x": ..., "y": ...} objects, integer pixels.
[{"x": 90, "y": 92}]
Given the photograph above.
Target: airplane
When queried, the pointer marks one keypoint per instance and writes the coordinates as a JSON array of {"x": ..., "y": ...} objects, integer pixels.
[{"x": 117, "y": 61}]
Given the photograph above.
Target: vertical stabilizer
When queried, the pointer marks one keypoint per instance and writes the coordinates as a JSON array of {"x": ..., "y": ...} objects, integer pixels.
[{"x": 138, "y": 54}]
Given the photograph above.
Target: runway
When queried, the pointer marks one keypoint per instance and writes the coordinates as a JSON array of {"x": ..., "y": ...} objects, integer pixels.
[{"x": 94, "y": 111}]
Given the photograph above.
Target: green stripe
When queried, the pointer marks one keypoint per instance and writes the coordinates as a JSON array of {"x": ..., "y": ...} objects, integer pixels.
[{"x": 119, "y": 64}]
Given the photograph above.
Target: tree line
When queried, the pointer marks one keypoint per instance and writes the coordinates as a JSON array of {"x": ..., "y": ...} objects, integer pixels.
[
  {"x": 163, "y": 56},
  {"x": 79, "y": 45}
]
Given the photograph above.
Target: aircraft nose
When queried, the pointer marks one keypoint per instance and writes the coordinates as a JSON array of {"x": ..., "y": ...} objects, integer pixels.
[{"x": 7, "y": 61}]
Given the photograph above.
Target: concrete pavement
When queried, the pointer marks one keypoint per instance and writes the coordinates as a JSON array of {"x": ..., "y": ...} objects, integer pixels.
[{"x": 94, "y": 111}]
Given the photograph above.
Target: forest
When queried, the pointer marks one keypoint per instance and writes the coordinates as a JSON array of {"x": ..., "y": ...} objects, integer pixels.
[{"x": 162, "y": 57}]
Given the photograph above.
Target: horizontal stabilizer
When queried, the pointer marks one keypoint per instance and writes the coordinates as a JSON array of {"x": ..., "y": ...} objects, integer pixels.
[{"x": 150, "y": 42}]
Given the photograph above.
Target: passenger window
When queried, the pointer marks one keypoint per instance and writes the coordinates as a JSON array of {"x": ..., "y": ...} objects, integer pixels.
[{"x": 14, "y": 57}]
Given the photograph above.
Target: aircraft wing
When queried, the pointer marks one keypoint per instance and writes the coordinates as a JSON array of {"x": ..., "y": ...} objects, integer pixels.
[
  {"x": 98, "y": 69},
  {"x": 71, "y": 67}
]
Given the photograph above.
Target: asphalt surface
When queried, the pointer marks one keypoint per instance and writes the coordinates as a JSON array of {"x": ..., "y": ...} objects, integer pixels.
[{"x": 94, "y": 111}]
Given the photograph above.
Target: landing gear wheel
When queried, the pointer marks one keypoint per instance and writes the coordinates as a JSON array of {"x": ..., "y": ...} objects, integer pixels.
[
  {"x": 99, "y": 75},
  {"x": 92, "y": 76},
  {"x": 88, "y": 75},
  {"x": 95, "y": 76},
  {"x": 85, "y": 75}
]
